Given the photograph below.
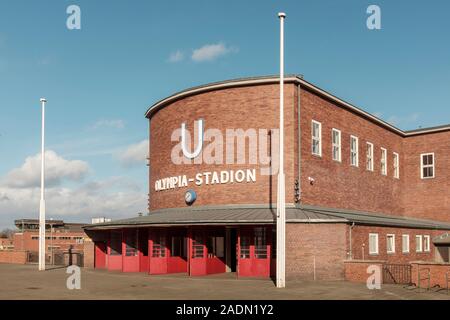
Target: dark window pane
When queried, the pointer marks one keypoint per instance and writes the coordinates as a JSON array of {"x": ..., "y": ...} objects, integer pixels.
[{"x": 116, "y": 243}]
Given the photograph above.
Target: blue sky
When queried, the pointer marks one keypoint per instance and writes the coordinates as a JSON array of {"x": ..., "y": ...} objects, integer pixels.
[{"x": 100, "y": 80}]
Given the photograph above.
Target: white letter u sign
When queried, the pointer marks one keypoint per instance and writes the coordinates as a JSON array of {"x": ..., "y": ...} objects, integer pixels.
[{"x": 199, "y": 146}]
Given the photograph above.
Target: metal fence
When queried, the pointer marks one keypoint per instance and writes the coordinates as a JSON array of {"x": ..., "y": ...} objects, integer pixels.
[
  {"x": 397, "y": 273},
  {"x": 59, "y": 258}
]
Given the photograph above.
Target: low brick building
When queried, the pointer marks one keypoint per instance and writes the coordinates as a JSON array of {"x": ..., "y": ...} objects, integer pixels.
[{"x": 357, "y": 188}]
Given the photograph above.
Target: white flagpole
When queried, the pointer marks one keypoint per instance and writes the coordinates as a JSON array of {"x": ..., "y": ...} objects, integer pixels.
[
  {"x": 42, "y": 202},
  {"x": 281, "y": 201}
]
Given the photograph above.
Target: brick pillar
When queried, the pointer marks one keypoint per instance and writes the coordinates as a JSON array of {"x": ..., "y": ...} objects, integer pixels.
[{"x": 89, "y": 253}]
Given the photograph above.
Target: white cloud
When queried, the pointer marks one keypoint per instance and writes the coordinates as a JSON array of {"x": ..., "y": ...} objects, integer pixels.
[
  {"x": 57, "y": 169},
  {"x": 116, "y": 197},
  {"x": 210, "y": 52},
  {"x": 111, "y": 123},
  {"x": 176, "y": 56},
  {"x": 135, "y": 154}
]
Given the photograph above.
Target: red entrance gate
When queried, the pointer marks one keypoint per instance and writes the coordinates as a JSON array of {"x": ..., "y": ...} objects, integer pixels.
[
  {"x": 254, "y": 252},
  {"x": 130, "y": 250},
  {"x": 115, "y": 250},
  {"x": 100, "y": 255},
  {"x": 207, "y": 253},
  {"x": 158, "y": 251}
]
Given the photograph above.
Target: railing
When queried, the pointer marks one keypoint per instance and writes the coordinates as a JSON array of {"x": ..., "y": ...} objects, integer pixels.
[{"x": 397, "y": 274}]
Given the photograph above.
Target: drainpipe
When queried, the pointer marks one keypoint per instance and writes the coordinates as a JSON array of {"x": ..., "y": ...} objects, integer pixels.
[{"x": 350, "y": 241}]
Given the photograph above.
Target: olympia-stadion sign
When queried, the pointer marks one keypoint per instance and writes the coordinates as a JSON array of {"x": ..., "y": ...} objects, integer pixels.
[{"x": 249, "y": 148}]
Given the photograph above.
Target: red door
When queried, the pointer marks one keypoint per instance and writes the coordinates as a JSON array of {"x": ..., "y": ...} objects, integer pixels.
[
  {"x": 115, "y": 250},
  {"x": 197, "y": 262},
  {"x": 254, "y": 252},
  {"x": 158, "y": 252},
  {"x": 100, "y": 255},
  {"x": 130, "y": 251}
]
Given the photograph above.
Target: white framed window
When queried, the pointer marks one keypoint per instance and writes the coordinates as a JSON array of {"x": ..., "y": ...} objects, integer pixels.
[
  {"x": 390, "y": 243},
  {"x": 373, "y": 243},
  {"x": 405, "y": 243},
  {"x": 336, "y": 144},
  {"x": 427, "y": 165},
  {"x": 426, "y": 243},
  {"x": 316, "y": 137},
  {"x": 419, "y": 244},
  {"x": 354, "y": 151},
  {"x": 383, "y": 161},
  {"x": 396, "y": 166},
  {"x": 369, "y": 156}
]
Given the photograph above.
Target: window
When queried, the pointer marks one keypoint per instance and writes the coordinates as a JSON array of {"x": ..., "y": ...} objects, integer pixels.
[
  {"x": 159, "y": 246},
  {"x": 426, "y": 243},
  {"x": 405, "y": 243},
  {"x": 131, "y": 244},
  {"x": 383, "y": 161},
  {"x": 354, "y": 151},
  {"x": 116, "y": 243},
  {"x": 336, "y": 144},
  {"x": 396, "y": 166},
  {"x": 215, "y": 247},
  {"x": 260, "y": 243},
  {"x": 245, "y": 247},
  {"x": 390, "y": 243},
  {"x": 369, "y": 156},
  {"x": 419, "y": 243},
  {"x": 178, "y": 248},
  {"x": 427, "y": 165},
  {"x": 197, "y": 247},
  {"x": 373, "y": 243},
  {"x": 316, "y": 133}
]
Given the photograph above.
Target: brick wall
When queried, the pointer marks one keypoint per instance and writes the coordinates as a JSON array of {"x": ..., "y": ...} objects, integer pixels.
[
  {"x": 89, "y": 254},
  {"x": 356, "y": 270},
  {"x": 16, "y": 257},
  {"x": 29, "y": 240},
  {"x": 360, "y": 243},
  {"x": 338, "y": 184},
  {"x": 322, "y": 245},
  {"x": 243, "y": 107},
  {"x": 437, "y": 274},
  {"x": 427, "y": 198}
]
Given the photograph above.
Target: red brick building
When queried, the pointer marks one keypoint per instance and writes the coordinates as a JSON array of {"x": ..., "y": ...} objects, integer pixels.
[
  {"x": 357, "y": 188},
  {"x": 59, "y": 236}
]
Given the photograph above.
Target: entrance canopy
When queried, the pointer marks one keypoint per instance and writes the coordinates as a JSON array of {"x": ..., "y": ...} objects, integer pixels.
[
  {"x": 443, "y": 239},
  {"x": 251, "y": 215},
  {"x": 216, "y": 216}
]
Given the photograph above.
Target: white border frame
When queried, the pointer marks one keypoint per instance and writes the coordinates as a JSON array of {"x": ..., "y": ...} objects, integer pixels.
[
  {"x": 385, "y": 162},
  {"x": 377, "y": 244},
  {"x": 421, "y": 165},
  {"x": 320, "y": 137},
  {"x": 393, "y": 244},
  {"x": 339, "y": 145},
  {"x": 357, "y": 151},
  {"x": 425, "y": 249},
  {"x": 367, "y": 156},
  {"x": 408, "y": 243},
  {"x": 396, "y": 168}
]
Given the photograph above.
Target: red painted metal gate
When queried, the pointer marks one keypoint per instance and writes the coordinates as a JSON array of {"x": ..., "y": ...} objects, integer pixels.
[
  {"x": 254, "y": 252},
  {"x": 158, "y": 251},
  {"x": 100, "y": 255},
  {"x": 115, "y": 250},
  {"x": 130, "y": 250}
]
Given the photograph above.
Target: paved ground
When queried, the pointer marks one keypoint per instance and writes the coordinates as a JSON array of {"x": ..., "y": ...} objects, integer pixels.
[{"x": 25, "y": 282}]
